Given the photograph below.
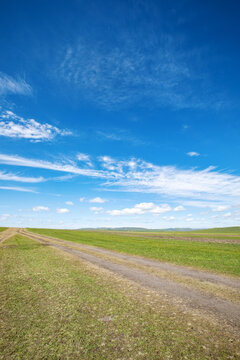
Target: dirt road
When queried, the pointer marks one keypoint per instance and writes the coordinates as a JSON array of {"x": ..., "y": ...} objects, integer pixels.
[
  {"x": 6, "y": 234},
  {"x": 143, "y": 271}
]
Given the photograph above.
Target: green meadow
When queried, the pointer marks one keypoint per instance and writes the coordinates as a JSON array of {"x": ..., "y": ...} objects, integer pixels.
[
  {"x": 53, "y": 306},
  {"x": 217, "y": 257}
]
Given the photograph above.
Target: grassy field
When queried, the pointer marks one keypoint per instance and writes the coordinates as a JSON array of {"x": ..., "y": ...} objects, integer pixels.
[
  {"x": 234, "y": 230},
  {"x": 217, "y": 257},
  {"x": 2, "y": 229},
  {"x": 55, "y": 307}
]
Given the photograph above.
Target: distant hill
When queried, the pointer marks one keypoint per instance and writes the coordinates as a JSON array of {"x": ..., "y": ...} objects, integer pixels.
[{"x": 135, "y": 229}]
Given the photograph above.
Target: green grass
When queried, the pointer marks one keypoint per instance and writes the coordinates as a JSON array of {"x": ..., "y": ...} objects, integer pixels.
[
  {"x": 218, "y": 257},
  {"x": 3, "y": 228},
  {"x": 219, "y": 234},
  {"x": 234, "y": 230},
  {"x": 53, "y": 307}
]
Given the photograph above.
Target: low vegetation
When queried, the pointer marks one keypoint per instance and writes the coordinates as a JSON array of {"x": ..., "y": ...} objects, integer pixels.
[
  {"x": 218, "y": 257},
  {"x": 53, "y": 306},
  {"x": 2, "y": 229},
  {"x": 225, "y": 230}
]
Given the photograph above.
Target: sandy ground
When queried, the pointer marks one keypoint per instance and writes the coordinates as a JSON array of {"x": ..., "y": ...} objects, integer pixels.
[{"x": 226, "y": 310}]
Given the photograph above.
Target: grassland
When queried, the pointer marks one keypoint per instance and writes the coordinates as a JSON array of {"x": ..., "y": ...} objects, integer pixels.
[
  {"x": 2, "y": 229},
  {"x": 225, "y": 230},
  {"x": 218, "y": 257},
  {"x": 55, "y": 307}
]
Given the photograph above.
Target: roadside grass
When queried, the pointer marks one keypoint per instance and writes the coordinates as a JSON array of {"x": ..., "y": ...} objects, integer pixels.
[
  {"x": 55, "y": 307},
  {"x": 218, "y": 257},
  {"x": 3, "y": 228}
]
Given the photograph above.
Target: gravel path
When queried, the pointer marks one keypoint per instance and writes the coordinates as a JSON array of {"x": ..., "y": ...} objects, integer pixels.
[{"x": 194, "y": 299}]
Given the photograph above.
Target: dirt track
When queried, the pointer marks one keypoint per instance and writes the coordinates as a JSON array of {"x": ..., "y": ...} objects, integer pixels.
[
  {"x": 6, "y": 234},
  {"x": 226, "y": 310}
]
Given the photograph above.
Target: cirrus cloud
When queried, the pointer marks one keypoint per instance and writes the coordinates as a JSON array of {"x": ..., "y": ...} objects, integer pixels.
[
  {"x": 10, "y": 85},
  {"x": 136, "y": 175}
]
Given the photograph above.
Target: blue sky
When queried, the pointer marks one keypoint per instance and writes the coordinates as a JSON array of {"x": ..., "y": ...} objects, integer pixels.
[{"x": 121, "y": 113}]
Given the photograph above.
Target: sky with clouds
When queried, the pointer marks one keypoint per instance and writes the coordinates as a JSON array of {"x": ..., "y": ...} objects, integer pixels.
[{"x": 119, "y": 113}]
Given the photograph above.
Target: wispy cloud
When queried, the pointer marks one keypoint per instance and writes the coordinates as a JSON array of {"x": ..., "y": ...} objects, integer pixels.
[
  {"x": 136, "y": 70},
  {"x": 84, "y": 158},
  {"x": 40, "y": 208},
  {"x": 12, "y": 177},
  {"x": 136, "y": 175},
  {"x": 16, "y": 188},
  {"x": 10, "y": 85},
  {"x": 58, "y": 166},
  {"x": 70, "y": 203},
  {"x": 12, "y": 125}
]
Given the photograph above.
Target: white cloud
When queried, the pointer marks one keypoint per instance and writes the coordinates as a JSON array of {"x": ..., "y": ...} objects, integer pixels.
[
  {"x": 179, "y": 208},
  {"x": 69, "y": 203},
  {"x": 229, "y": 214},
  {"x": 142, "y": 208},
  {"x": 97, "y": 200},
  {"x": 96, "y": 210},
  {"x": 13, "y": 177},
  {"x": 220, "y": 208},
  {"x": 40, "y": 208},
  {"x": 84, "y": 158},
  {"x": 81, "y": 199},
  {"x": 193, "y": 153},
  {"x": 9, "y": 85},
  {"x": 12, "y": 125},
  {"x": 62, "y": 210},
  {"x": 17, "y": 188}
]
